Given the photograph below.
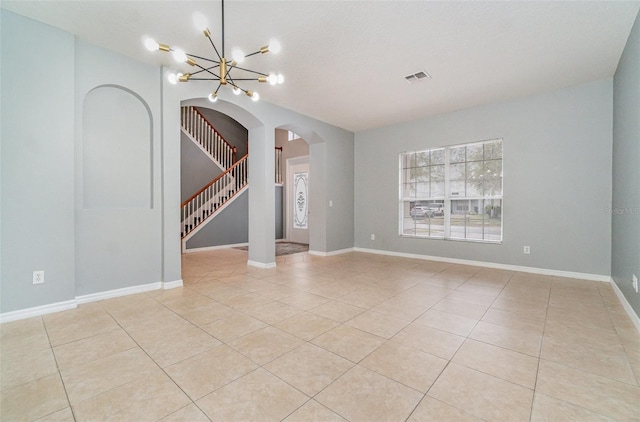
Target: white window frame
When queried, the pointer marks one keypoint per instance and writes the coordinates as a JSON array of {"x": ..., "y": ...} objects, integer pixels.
[
  {"x": 292, "y": 136},
  {"x": 448, "y": 198}
]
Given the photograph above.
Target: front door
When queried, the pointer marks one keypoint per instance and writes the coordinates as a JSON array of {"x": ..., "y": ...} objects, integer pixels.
[{"x": 298, "y": 200}]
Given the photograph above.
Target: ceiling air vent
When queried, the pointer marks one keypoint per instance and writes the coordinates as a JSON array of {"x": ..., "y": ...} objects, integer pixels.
[{"x": 415, "y": 77}]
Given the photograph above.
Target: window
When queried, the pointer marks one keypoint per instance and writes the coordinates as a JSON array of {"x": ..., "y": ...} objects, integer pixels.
[
  {"x": 292, "y": 136},
  {"x": 452, "y": 192}
]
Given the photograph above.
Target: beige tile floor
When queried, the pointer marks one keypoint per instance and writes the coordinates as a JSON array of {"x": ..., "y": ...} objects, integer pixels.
[{"x": 354, "y": 337}]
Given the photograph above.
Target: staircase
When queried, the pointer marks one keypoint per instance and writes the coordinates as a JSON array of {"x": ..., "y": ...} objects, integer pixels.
[
  {"x": 197, "y": 209},
  {"x": 208, "y": 201},
  {"x": 203, "y": 134}
]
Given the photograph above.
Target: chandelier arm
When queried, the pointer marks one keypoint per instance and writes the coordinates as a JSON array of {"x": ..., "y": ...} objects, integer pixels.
[
  {"x": 253, "y": 54},
  {"x": 232, "y": 82},
  {"x": 208, "y": 70},
  {"x": 236, "y": 86},
  {"x": 214, "y": 49},
  {"x": 246, "y": 79},
  {"x": 226, "y": 75},
  {"x": 249, "y": 70},
  {"x": 204, "y": 79},
  {"x": 203, "y": 58}
]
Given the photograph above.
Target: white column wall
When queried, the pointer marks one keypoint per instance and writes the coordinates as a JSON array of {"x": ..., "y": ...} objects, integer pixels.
[{"x": 262, "y": 236}]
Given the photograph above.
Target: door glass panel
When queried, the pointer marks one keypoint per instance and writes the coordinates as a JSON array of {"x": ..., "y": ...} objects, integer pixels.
[{"x": 300, "y": 200}]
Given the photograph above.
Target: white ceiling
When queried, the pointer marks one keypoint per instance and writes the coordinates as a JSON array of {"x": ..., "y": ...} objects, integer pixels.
[{"x": 344, "y": 61}]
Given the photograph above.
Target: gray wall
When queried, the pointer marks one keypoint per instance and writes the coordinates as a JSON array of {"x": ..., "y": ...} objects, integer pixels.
[
  {"x": 626, "y": 169},
  {"x": 88, "y": 194},
  {"x": 231, "y": 226},
  {"x": 232, "y": 131},
  {"x": 340, "y": 180},
  {"x": 557, "y": 179},
  {"x": 290, "y": 149},
  {"x": 118, "y": 242},
  {"x": 196, "y": 169},
  {"x": 37, "y": 163}
]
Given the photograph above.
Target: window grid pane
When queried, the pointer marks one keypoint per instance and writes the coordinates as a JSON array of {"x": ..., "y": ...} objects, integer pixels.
[{"x": 475, "y": 192}]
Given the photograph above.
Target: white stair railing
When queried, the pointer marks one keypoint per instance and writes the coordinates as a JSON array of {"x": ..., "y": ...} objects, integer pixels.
[
  {"x": 209, "y": 199},
  {"x": 196, "y": 125}
]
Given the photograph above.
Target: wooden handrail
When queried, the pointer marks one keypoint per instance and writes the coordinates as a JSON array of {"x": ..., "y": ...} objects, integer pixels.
[
  {"x": 220, "y": 176},
  {"x": 215, "y": 130},
  {"x": 278, "y": 165}
]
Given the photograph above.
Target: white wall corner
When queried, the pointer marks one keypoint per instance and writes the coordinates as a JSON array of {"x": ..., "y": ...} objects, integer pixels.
[
  {"x": 626, "y": 305},
  {"x": 261, "y": 264},
  {"x": 332, "y": 253},
  {"x": 172, "y": 284}
]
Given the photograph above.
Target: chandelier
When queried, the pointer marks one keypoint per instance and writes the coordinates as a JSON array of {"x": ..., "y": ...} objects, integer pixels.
[{"x": 218, "y": 68}]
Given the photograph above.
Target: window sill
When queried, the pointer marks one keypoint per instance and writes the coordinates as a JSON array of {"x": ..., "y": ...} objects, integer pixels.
[{"x": 490, "y": 242}]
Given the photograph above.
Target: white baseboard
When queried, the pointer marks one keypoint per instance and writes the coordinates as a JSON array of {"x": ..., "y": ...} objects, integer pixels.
[
  {"x": 79, "y": 300},
  {"x": 626, "y": 305},
  {"x": 38, "y": 310},
  {"x": 543, "y": 271},
  {"x": 261, "y": 264},
  {"x": 71, "y": 304},
  {"x": 534, "y": 270},
  {"x": 172, "y": 284},
  {"x": 214, "y": 248},
  {"x": 125, "y": 291},
  {"x": 331, "y": 253}
]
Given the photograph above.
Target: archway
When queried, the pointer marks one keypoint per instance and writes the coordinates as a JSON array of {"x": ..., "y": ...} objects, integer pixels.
[
  {"x": 261, "y": 214},
  {"x": 297, "y": 155},
  {"x": 261, "y": 119}
]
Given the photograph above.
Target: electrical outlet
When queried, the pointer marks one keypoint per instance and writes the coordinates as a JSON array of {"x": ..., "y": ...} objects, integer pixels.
[
  {"x": 527, "y": 250},
  {"x": 330, "y": 203},
  {"x": 38, "y": 277},
  {"x": 373, "y": 237},
  {"x": 635, "y": 282}
]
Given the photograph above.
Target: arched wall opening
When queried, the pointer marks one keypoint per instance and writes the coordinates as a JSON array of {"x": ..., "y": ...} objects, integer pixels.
[
  {"x": 260, "y": 164},
  {"x": 118, "y": 212},
  {"x": 332, "y": 228},
  {"x": 298, "y": 184},
  {"x": 261, "y": 201}
]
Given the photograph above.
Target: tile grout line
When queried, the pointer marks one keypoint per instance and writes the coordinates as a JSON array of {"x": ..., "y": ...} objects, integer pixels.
[
  {"x": 540, "y": 359},
  {"x": 327, "y": 270},
  {"x": 450, "y": 360},
  {"x": 64, "y": 386},
  {"x": 259, "y": 366},
  {"x": 156, "y": 363},
  {"x": 636, "y": 374},
  {"x": 389, "y": 339}
]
